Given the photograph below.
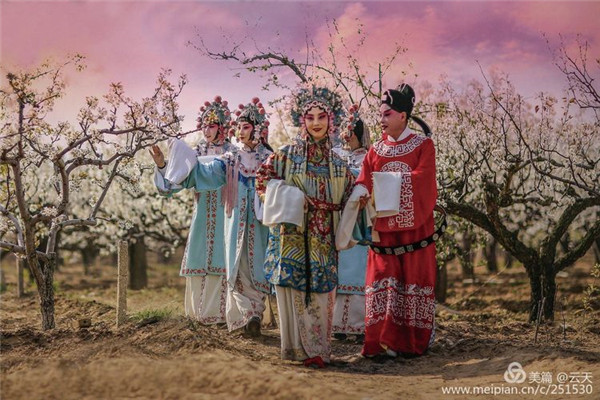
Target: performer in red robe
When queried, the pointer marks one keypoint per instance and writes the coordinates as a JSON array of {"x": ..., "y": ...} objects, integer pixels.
[{"x": 400, "y": 298}]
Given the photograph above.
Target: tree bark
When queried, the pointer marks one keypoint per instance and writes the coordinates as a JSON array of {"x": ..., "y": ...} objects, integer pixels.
[
  {"x": 535, "y": 283},
  {"x": 20, "y": 281},
  {"x": 138, "y": 265},
  {"x": 441, "y": 284},
  {"x": 46, "y": 292},
  {"x": 549, "y": 292},
  {"x": 2, "y": 282}
]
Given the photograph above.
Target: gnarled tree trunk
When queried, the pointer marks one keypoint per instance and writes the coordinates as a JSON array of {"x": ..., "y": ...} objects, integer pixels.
[
  {"x": 535, "y": 284},
  {"x": 46, "y": 291},
  {"x": 542, "y": 280}
]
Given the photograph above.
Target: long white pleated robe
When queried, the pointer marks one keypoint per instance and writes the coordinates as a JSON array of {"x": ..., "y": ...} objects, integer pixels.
[
  {"x": 305, "y": 330},
  {"x": 244, "y": 300},
  {"x": 205, "y": 298}
]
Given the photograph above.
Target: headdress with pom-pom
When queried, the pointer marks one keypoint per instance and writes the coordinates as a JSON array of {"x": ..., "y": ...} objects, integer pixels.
[
  {"x": 216, "y": 112},
  {"x": 309, "y": 95},
  {"x": 349, "y": 125},
  {"x": 255, "y": 113}
]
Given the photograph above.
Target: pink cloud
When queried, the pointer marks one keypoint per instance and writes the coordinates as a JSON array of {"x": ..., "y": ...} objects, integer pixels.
[{"x": 131, "y": 41}]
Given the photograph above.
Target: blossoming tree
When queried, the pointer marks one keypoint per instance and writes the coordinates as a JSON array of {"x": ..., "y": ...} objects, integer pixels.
[
  {"x": 524, "y": 171},
  {"x": 106, "y": 135}
]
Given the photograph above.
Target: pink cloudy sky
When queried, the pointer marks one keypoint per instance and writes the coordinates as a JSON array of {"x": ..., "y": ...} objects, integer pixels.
[{"x": 130, "y": 41}]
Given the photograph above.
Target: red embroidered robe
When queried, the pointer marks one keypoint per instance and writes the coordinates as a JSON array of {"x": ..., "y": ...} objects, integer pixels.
[{"x": 400, "y": 298}]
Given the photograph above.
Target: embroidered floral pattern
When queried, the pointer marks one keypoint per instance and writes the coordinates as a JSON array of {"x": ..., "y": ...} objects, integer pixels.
[
  {"x": 404, "y": 304},
  {"x": 253, "y": 309},
  {"x": 315, "y": 332},
  {"x": 351, "y": 288},
  {"x": 211, "y": 223},
  {"x": 344, "y": 326},
  {"x": 214, "y": 319}
]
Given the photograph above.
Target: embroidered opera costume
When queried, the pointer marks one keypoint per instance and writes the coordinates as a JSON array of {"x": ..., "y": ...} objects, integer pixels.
[{"x": 400, "y": 298}]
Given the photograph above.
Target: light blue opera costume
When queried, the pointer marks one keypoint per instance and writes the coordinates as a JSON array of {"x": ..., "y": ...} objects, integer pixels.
[
  {"x": 203, "y": 263},
  {"x": 245, "y": 238},
  {"x": 349, "y": 309}
]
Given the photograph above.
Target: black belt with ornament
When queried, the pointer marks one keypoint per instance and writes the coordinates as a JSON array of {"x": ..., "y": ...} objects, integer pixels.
[{"x": 421, "y": 244}]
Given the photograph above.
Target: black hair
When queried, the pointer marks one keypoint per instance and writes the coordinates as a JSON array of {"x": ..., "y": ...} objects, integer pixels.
[
  {"x": 359, "y": 130},
  {"x": 422, "y": 124},
  {"x": 266, "y": 145}
]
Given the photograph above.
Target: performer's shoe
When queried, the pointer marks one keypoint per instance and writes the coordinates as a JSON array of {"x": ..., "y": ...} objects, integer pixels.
[
  {"x": 253, "y": 327},
  {"x": 389, "y": 352},
  {"x": 314, "y": 362}
]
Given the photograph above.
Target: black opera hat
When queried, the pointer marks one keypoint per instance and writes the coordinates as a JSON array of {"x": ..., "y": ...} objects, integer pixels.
[{"x": 401, "y": 99}]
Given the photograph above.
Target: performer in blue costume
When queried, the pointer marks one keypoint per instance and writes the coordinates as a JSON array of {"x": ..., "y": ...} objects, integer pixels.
[
  {"x": 203, "y": 263},
  {"x": 349, "y": 309},
  {"x": 245, "y": 238}
]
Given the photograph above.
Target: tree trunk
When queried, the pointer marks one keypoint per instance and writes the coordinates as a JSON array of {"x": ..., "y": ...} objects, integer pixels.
[
  {"x": 491, "y": 255},
  {"x": 535, "y": 283},
  {"x": 542, "y": 279},
  {"x": 46, "y": 292},
  {"x": 441, "y": 284},
  {"x": 138, "y": 265},
  {"x": 2, "y": 282},
  {"x": 20, "y": 282},
  {"x": 549, "y": 292}
]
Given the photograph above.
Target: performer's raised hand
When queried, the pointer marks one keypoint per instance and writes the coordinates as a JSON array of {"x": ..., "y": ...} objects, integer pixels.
[{"x": 157, "y": 156}]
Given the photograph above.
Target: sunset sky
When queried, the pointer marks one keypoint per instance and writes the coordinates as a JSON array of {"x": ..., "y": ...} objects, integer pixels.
[{"x": 130, "y": 41}]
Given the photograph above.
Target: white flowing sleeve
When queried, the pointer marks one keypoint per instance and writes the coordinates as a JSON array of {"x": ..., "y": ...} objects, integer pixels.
[
  {"x": 283, "y": 204},
  {"x": 344, "y": 234},
  {"x": 182, "y": 161}
]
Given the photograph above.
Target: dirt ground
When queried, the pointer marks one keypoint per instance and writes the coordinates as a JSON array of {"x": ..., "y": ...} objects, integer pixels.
[{"x": 160, "y": 354}]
